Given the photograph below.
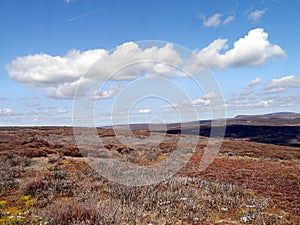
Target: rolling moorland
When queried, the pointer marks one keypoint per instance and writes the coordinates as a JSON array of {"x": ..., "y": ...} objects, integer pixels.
[{"x": 255, "y": 179}]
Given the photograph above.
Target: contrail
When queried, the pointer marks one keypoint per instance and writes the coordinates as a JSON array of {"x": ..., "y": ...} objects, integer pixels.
[{"x": 86, "y": 14}]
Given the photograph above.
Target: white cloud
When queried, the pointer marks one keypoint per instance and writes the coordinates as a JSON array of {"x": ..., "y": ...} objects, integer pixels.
[
  {"x": 282, "y": 84},
  {"x": 69, "y": 1},
  {"x": 264, "y": 103},
  {"x": 196, "y": 102},
  {"x": 68, "y": 90},
  {"x": 62, "y": 111},
  {"x": 144, "y": 111},
  {"x": 45, "y": 70},
  {"x": 274, "y": 90},
  {"x": 256, "y": 15},
  {"x": 3, "y": 99},
  {"x": 246, "y": 92},
  {"x": 187, "y": 104},
  {"x": 6, "y": 111},
  {"x": 284, "y": 101},
  {"x": 254, "y": 49},
  {"x": 273, "y": 101},
  {"x": 103, "y": 94},
  {"x": 210, "y": 95},
  {"x": 213, "y": 21},
  {"x": 164, "y": 70},
  {"x": 228, "y": 20},
  {"x": 60, "y": 76},
  {"x": 53, "y": 117},
  {"x": 36, "y": 119},
  {"x": 246, "y": 99},
  {"x": 255, "y": 82}
]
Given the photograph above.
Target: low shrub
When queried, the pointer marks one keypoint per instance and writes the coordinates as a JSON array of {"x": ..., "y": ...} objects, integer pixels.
[
  {"x": 17, "y": 160},
  {"x": 71, "y": 212},
  {"x": 34, "y": 187},
  {"x": 7, "y": 177}
]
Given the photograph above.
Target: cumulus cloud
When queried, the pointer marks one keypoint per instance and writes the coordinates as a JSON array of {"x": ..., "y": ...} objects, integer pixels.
[
  {"x": 196, "y": 102},
  {"x": 44, "y": 70},
  {"x": 144, "y": 111},
  {"x": 282, "y": 84},
  {"x": 68, "y": 90},
  {"x": 62, "y": 111},
  {"x": 69, "y": 1},
  {"x": 60, "y": 76},
  {"x": 187, "y": 104},
  {"x": 256, "y": 15},
  {"x": 246, "y": 92},
  {"x": 213, "y": 21},
  {"x": 255, "y": 82},
  {"x": 164, "y": 70},
  {"x": 246, "y": 99},
  {"x": 6, "y": 112},
  {"x": 37, "y": 119},
  {"x": 264, "y": 103},
  {"x": 103, "y": 94},
  {"x": 276, "y": 101},
  {"x": 228, "y": 20},
  {"x": 210, "y": 95},
  {"x": 254, "y": 49}
]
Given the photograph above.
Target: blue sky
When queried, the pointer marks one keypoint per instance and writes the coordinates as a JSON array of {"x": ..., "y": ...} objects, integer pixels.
[{"x": 46, "y": 47}]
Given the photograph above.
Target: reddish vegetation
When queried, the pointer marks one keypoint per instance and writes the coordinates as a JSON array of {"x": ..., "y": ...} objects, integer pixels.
[
  {"x": 280, "y": 181},
  {"x": 258, "y": 150},
  {"x": 269, "y": 171}
]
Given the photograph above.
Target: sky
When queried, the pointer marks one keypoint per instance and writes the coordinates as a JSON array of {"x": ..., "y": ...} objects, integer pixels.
[{"x": 130, "y": 61}]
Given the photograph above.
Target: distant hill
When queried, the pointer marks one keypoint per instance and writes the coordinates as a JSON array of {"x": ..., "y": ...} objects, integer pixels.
[
  {"x": 272, "y": 119},
  {"x": 281, "y": 128},
  {"x": 276, "y": 115}
]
